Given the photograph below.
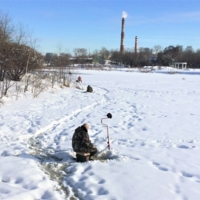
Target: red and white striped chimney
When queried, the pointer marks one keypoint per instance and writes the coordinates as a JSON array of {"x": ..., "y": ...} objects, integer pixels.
[
  {"x": 136, "y": 44},
  {"x": 122, "y": 37}
]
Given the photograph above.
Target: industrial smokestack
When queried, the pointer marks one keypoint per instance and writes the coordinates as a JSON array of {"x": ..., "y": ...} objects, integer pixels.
[
  {"x": 136, "y": 44},
  {"x": 122, "y": 37},
  {"x": 124, "y": 15}
]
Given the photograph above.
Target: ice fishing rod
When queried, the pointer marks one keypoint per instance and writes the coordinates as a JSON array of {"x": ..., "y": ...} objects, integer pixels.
[{"x": 109, "y": 116}]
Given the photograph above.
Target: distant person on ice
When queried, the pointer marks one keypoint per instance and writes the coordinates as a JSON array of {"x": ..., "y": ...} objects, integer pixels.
[
  {"x": 79, "y": 79},
  {"x": 81, "y": 141}
]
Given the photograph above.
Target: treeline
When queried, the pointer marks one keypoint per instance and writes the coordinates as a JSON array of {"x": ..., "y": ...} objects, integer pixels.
[
  {"x": 157, "y": 56},
  {"x": 144, "y": 56}
]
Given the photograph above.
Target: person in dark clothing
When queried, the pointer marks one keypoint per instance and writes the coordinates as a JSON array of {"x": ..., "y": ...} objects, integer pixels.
[{"x": 81, "y": 141}]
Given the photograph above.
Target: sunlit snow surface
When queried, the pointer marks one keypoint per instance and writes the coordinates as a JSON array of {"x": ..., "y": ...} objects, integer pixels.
[{"x": 154, "y": 139}]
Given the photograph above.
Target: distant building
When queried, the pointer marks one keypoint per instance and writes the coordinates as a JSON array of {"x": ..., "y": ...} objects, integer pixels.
[
  {"x": 49, "y": 58},
  {"x": 81, "y": 60},
  {"x": 180, "y": 65},
  {"x": 152, "y": 60}
]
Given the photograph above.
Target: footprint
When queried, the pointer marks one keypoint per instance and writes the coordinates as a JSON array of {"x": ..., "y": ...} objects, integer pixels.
[
  {"x": 102, "y": 191},
  {"x": 144, "y": 129},
  {"x": 177, "y": 189},
  {"x": 18, "y": 180},
  {"x": 5, "y": 179},
  {"x": 4, "y": 191},
  {"x": 29, "y": 187},
  {"x": 135, "y": 158},
  {"x": 155, "y": 163},
  {"x": 160, "y": 167},
  {"x": 142, "y": 144},
  {"x": 83, "y": 178},
  {"x": 30, "y": 130},
  {"x": 188, "y": 175},
  {"x": 163, "y": 169},
  {"x": 101, "y": 181},
  {"x": 46, "y": 195},
  {"x": 5, "y": 153},
  {"x": 87, "y": 169},
  {"x": 183, "y": 146}
]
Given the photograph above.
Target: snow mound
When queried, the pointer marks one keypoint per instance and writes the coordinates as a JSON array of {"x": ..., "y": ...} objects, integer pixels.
[{"x": 110, "y": 155}]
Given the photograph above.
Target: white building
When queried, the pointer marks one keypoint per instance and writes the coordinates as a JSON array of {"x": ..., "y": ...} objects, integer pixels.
[{"x": 180, "y": 65}]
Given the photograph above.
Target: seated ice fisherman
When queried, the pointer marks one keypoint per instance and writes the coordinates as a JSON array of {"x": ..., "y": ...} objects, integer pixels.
[{"x": 81, "y": 141}]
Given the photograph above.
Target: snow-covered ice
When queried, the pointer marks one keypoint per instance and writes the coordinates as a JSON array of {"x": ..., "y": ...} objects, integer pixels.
[{"x": 154, "y": 139}]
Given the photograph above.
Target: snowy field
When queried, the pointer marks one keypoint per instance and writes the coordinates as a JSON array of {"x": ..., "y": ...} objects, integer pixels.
[{"x": 154, "y": 138}]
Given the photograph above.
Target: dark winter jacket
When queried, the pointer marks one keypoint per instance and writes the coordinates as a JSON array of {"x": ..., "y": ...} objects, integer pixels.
[
  {"x": 89, "y": 88},
  {"x": 81, "y": 141}
]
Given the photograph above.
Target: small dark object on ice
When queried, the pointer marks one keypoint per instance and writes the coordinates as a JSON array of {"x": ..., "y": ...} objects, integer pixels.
[
  {"x": 82, "y": 157},
  {"x": 89, "y": 88},
  {"x": 109, "y": 115}
]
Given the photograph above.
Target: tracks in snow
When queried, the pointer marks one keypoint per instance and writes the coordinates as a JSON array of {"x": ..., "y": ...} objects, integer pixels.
[{"x": 54, "y": 124}]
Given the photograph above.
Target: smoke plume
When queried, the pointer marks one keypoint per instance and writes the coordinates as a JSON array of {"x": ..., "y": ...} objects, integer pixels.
[{"x": 124, "y": 14}]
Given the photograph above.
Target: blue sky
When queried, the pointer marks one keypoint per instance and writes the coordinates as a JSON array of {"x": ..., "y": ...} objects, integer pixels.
[{"x": 93, "y": 24}]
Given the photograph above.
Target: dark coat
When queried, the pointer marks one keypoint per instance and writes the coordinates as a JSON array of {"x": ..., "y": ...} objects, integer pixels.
[
  {"x": 81, "y": 141},
  {"x": 89, "y": 88}
]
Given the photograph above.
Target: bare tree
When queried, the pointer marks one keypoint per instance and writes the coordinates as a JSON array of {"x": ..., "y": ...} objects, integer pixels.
[
  {"x": 170, "y": 54},
  {"x": 38, "y": 85},
  {"x": 20, "y": 59},
  {"x": 54, "y": 78},
  {"x": 61, "y": 63},
  {"x": 104, "y": 53},
  {"x": 80, "y": 55},
  {"x": 157, "y": 49},
  {"x": 6, "y": 30}
]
